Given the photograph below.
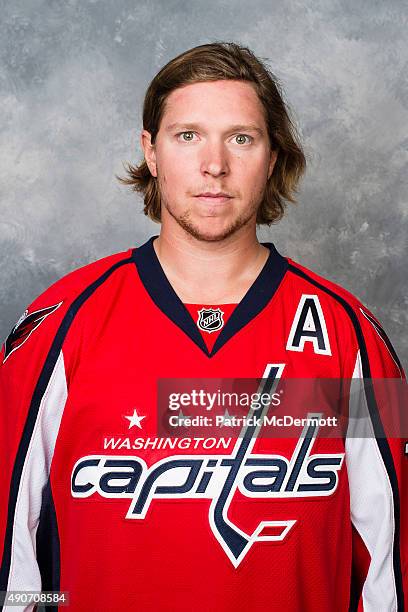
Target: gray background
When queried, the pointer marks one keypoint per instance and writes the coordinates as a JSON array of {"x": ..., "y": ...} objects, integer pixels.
[{"x": 73, "y": 75}]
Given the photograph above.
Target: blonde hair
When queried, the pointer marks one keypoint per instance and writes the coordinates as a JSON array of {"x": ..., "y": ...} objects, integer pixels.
[{"x": 226, "y": 61}]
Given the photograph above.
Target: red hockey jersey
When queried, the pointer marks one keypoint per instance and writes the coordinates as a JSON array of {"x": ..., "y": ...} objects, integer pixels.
[{"x": 95, "y": 502}]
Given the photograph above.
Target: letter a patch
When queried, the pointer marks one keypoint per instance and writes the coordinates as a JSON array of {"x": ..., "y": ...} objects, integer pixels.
[{"x": 309, "y": 326}]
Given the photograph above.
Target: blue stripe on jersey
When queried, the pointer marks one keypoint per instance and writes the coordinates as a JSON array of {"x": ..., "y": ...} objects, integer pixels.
[{"x": 48, "y": 544}]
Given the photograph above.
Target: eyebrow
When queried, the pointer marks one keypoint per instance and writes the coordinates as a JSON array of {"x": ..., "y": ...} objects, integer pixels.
[{"x": 239, "y": 127}]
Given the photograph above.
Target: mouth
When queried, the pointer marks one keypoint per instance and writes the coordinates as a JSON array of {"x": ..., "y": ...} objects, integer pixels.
[{"x": 214, "y": 198}]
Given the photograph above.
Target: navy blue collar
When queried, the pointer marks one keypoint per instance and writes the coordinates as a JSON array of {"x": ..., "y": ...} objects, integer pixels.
[{"x": 163, "y": 295}]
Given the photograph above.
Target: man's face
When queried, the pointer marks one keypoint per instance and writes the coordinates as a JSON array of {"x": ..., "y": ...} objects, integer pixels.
[{"x": 212, "y": 158}]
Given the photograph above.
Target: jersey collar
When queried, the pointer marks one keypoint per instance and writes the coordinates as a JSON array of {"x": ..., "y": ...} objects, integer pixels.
[{"x": 163, "y": 295}]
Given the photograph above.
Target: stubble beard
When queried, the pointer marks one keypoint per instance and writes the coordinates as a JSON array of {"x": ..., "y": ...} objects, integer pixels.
[{"x": 185, "y": 222}]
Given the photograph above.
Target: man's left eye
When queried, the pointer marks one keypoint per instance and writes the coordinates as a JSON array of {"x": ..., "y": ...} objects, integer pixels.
[{"x": 243, "y": 138}]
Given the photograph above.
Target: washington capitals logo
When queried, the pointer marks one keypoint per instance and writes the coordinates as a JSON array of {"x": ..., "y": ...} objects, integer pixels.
[
  {"x": 22, "y": 330},
  {"x": 217, "y": 477},
  {"x": 210, "y": 319}
]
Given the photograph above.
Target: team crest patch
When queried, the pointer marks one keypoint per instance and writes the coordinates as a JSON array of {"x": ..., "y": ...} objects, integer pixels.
[
  {"x": 210, "y": 319},
  {"x": 22, "y": 330}
]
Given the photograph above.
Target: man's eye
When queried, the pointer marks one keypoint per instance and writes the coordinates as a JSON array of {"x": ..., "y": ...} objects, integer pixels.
[
  {"x": 186, "y": 136},
  {"x": 240, "y": 139}
]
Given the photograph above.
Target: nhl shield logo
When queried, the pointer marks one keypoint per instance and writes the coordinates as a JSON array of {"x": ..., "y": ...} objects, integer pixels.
[{"x": 210, "y": 319}]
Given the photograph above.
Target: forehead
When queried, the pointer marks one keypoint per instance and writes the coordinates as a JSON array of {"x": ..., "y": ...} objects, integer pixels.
[{"x": 213, "y": 102}]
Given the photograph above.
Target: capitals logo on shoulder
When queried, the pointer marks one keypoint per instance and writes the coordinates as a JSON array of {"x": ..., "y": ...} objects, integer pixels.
[
  {"x": 210, "y": 319},
  {"x": 22, "y": 330}
]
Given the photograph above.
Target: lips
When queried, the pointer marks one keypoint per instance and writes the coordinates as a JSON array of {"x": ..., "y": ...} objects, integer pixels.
[
  {"x": 209, "y": 194},
  {"x": 214, "y": 198}
]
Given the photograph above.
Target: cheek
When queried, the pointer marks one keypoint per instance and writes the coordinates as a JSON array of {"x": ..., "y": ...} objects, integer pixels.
[
  {"x": 253, "y": 172},
  {"x": 252, "y": 163},
  {"x": 175, "y": 168},
  {"x": 173, "y": 176}
]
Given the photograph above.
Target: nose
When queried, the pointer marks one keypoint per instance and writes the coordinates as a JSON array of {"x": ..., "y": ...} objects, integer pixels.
[{"x": 215, "y": 159}]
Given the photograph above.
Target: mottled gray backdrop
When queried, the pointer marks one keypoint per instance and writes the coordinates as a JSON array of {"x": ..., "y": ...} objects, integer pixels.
[{"x": 73, "y": 75}]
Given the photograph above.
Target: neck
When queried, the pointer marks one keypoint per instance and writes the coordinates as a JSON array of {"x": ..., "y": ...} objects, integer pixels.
[{"x": 211, "y": 272}]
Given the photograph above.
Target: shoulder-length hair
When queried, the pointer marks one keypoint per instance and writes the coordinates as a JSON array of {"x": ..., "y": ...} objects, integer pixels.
[{"x": 225, "y": 61}]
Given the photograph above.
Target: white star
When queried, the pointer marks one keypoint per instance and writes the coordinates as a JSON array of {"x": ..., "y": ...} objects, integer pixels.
[
  {"x": 226, "y": 419},
  {"x": 181, "y": 418},
  {"x": 135, "y": 419}
]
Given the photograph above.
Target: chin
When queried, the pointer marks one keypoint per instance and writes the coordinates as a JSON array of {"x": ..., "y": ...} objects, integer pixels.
[
  {"x": 210, "y": 234},
  {"x": 209, "y": 237}
]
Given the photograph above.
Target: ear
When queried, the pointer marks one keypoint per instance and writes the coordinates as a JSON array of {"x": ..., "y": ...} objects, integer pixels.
[
  {"x": 149, "y": 151},
  {"x": 272, "y": 161}
]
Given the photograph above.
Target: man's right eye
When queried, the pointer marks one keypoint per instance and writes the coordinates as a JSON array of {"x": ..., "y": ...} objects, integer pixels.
[{"x": 189, "y": 135}]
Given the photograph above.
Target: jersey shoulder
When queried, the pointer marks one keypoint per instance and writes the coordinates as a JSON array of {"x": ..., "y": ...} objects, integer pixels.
[
  {"x": 371, "y": 337},
  {"x": 73, "y": 283},
  {"x": 323, "y": 285},
  {"x": 53, "y": 304}
]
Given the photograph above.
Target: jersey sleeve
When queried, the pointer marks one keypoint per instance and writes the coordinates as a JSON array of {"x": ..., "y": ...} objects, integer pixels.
[
  {"x": 377, "y": 471},
  {"x": 33, "y": 392}
]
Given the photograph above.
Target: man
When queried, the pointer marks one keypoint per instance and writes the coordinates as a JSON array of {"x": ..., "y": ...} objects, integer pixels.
[{"x": 95, "y": 501}]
